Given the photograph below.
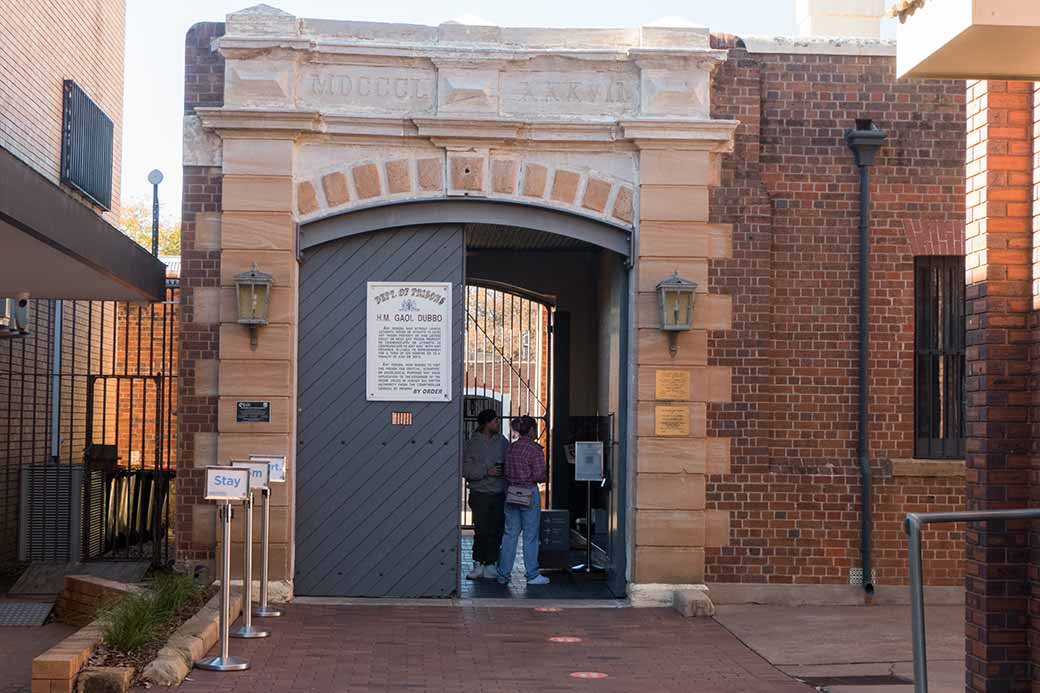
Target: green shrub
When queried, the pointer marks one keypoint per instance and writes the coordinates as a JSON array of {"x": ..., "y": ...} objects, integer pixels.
[
  {"x": 172, "y": 591},
  {"x": 139, "y": 619},
  {"x": 130, "y": 623}
]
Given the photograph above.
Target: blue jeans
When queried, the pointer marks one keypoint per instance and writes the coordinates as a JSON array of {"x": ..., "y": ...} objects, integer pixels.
[{"x": 526, "y": 520}]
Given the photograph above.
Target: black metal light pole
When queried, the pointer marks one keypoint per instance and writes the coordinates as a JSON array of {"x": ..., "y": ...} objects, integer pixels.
[
  {"x": 865, "y": 141},
  {"x": 155, "y": 177}
]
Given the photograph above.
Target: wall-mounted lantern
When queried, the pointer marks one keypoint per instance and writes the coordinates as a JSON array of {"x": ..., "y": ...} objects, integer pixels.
[
  {"x": 253, "y": 291},
  {"x": 677, "y": 296}
]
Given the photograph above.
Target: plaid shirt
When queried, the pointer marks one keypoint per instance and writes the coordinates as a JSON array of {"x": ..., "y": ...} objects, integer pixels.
[{"x": 525, "y": 462}]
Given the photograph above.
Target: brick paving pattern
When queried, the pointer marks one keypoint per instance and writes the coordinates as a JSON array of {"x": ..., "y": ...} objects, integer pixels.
[{"x": 432, "y": 648}]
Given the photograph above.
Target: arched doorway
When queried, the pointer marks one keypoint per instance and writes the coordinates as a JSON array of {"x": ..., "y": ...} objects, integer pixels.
[{"x": 378, "y": 492}]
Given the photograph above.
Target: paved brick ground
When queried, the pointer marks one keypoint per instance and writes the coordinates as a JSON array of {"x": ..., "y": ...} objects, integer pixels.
[{"x": 477, "y": 649}]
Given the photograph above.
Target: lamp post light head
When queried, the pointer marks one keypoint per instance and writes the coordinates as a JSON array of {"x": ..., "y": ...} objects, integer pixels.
[
  {"x": 253, "y": 298},
  {"x": 677, "y": 297}
]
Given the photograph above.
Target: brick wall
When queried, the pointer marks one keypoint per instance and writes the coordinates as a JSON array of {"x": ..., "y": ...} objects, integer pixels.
[
  {"x": 199, "y": 322},
  {"x": 1034, "y": 387},
  {"x": 791, "y": 192},
  {"x": 45, "y": 42},
  {"x": 999, "y": 297}
]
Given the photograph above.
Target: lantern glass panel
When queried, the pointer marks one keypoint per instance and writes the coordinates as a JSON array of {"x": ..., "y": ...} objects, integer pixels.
[
  {"x": 252, "y": 302},
  {"x": 683, "y": 308}
]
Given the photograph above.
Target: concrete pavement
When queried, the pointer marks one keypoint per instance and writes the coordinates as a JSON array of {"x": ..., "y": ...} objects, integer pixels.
[{"x": 856, "y": 644}]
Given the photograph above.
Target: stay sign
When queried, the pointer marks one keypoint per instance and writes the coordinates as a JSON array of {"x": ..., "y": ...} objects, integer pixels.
[{"x": 227, "y": 483}]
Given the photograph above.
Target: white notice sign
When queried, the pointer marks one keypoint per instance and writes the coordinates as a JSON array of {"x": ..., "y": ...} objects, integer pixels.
[
  {"x": 408, "y": 342},
  {"x": 258, "y": 473},
  {"x": 588, "y": 461},
  {"x": 276, "y": 465},
  {"x": 227, "y": 483}
]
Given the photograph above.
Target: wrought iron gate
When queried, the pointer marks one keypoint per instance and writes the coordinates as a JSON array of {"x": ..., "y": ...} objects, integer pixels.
[
  {"x": 508, "y": 363},
  {"x": 87, "y": 414}
]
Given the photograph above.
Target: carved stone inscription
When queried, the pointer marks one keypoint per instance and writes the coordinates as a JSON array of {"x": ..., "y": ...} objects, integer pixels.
[
  {"x": 356, "y": 88},
  {"x": 577, "y": 93}
]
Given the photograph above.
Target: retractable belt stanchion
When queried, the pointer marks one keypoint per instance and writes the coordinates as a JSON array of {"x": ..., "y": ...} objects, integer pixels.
[
  {"x": 225, "y": 484},
  {"x": 263, "y": 610},
  {"x": 276, "y": 475},
  {"x": 258, "y": 473}
]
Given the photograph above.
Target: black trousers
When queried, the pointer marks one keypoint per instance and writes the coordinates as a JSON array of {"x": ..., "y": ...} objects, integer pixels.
[{"x": 489, "y": 517}]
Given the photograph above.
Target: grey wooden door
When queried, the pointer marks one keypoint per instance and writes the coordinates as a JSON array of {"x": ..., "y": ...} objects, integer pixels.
[{"x": 376, "y": 504}]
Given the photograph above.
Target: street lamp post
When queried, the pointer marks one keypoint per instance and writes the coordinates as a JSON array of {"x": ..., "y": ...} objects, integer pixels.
[{"x": 155, "y": 177}]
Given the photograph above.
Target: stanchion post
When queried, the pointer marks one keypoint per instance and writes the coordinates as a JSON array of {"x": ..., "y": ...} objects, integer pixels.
[
  {"x": 223, "y": 483},
  {"x": 275, "y": 475},
  {"x": 258, "y": 474},
  {"x": 264, "y": 610}
]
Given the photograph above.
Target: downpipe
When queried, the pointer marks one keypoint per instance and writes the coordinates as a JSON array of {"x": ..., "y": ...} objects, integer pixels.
[{"x": 865, "y": 141}]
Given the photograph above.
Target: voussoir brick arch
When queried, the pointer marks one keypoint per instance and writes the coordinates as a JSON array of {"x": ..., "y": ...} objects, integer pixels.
[{"x": 373, "y": 183}]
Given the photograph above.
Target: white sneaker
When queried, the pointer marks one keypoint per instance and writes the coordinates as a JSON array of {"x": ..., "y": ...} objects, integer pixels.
[
  {"x": 540, "y": 580},
  {"x": 476, "y": 573},
  {"x": 491, "y": 571}
]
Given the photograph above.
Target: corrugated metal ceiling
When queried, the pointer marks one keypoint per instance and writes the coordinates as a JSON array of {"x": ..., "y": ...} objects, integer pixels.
[{"x": 497, "y": 237}]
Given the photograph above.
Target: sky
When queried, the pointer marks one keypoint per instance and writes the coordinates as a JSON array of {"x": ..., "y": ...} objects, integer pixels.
[{"x": 154, "y": 90}]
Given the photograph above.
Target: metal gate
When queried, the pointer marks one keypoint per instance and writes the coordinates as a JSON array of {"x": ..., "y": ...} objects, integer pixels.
[
  {"x": 508, "y": 364},
  {"x": 88, "y": 419},
  {"x": 376, "y": 501}
]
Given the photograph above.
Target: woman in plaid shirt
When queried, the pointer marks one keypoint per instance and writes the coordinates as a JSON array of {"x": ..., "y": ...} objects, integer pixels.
[{"x": 525, "y": 467}]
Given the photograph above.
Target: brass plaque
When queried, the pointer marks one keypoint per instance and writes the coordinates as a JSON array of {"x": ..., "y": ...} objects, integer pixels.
[
  {"x": 673, "y": 385},
  {"x": 672, "y": 421}
]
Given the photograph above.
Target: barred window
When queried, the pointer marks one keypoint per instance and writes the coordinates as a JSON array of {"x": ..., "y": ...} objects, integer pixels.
[
  {"x": 939, "y": 357},
  {"x": 86, "y": 146}
]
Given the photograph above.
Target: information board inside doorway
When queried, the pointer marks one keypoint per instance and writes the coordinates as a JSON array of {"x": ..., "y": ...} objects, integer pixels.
[{"x": 408, "y": 342}]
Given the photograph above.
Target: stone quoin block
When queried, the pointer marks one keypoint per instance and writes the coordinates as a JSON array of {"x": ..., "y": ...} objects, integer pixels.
[
  {"x": 257, "y": 194},
  {"x": 259, "y": 230}
]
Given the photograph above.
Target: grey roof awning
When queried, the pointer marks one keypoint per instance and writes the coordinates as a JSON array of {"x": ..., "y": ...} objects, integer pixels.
[{"x": 52, "y": 246}]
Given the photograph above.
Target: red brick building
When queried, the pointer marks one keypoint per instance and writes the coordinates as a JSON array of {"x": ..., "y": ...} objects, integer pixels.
[
  {"x": 791, "y": 191},
  {"x": 747, "y": 479}
]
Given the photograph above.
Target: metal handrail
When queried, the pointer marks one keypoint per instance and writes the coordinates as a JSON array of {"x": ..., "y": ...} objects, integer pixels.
[{"x": 912, "y": 525}]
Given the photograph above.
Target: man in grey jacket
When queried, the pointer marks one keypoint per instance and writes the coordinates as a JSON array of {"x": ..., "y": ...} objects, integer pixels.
[{"x": 482, "y": 461}]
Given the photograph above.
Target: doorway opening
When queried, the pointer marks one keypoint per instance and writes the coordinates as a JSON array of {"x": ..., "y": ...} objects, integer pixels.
[
  {"x": 379, "y": 497},
  {"x": 542, "y": 339}
]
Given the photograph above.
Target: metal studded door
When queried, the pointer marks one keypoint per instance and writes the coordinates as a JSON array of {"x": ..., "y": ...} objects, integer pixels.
[{"x": 377, "y": 489}]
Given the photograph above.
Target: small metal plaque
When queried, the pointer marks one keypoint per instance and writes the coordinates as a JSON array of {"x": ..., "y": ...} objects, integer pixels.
[
  {"x": 259, "y": 473},
  {"x": 672, "y": 421},
  {"x": 275, "y": 465},
  {"x": 588, "y": 461},
  {"x": 401, "y": 418},
  {"x": 227, "y": 483},
  {"x": 253, "y": 412},
  {"x": 672, "y": 385}
]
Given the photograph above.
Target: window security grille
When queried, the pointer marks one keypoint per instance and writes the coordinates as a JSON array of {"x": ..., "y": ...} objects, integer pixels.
[
  {"x": 939, "y": 357},
  {"x": 86, "y": 146}
]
